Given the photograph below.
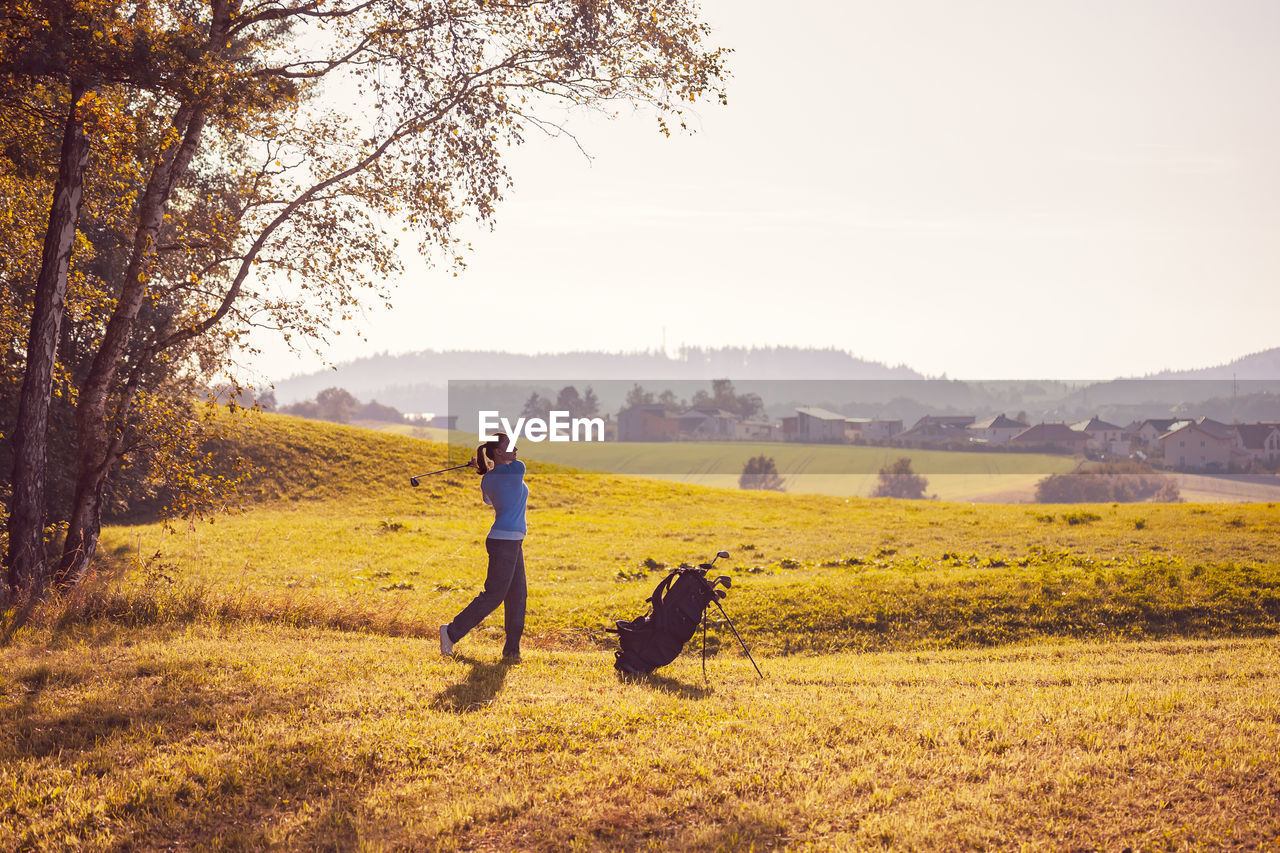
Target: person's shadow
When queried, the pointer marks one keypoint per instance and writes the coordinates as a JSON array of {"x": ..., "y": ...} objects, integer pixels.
[{"x": 478, "y": 690}]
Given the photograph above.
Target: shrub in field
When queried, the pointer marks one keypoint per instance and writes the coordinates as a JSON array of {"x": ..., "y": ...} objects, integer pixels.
[
  {"x": 1074, "y": 518},
  {"x": 899, "y": 481},
  {"x": 761, "y": 472},
  {"x": 1124, "y": 482}
]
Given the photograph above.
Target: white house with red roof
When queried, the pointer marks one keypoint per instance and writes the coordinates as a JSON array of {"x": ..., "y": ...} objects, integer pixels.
[
  {"x": 1051, "y": 437},
  {"x": 996, "y": 430},
  {"x": 1147, "y": 433},
  {"x": 1202, "y": 443},
  {"x": 937, "y": 429},
  {"x": 1104, "y": 436},
  {"x": 1260, "y": 441}
]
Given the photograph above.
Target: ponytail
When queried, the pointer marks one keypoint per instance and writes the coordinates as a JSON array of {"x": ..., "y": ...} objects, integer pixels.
[{"x": 484, "y": 453}]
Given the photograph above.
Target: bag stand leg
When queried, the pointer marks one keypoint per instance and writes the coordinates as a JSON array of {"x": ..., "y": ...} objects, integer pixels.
[
  {"x": 704, "y": 646},
  {"x": 736, "y": 634}
]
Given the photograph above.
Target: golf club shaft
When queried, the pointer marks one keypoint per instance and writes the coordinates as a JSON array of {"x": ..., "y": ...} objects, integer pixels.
[{"x": 442, "y": 470}]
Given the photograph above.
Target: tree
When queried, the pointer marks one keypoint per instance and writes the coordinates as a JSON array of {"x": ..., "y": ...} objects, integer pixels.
[
  {"x": 667, "y": 399},
  {"x": 637, "y": 396},
  {"x": 724, "y": 396},
  {"x": 578, "y": 406},
  {"x": 302, "y": 409},
  {"x": 337, "y": 405},
  {"x": 899, "y": 481},
  {"x": 253, "y": 203},
  {"x": 590, "y": 403},
  {"x": 536, "y": 406},
  {"x": 568, "y": 400},
  {"x": 163, "y": 459},
  {"x": 1123, "y": 482},
  {"x": 761, "y": 472},
  {"x": 375, "y": 411}
]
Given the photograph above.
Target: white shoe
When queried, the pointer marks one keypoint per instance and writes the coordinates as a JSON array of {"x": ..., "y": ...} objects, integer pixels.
[{"x": 446, "y": 645}]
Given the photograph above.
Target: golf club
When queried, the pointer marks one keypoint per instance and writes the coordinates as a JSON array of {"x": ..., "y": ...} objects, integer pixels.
[
  {"x": 720, "y": 555},
  {"x": 413, "y": 481},
  {"x": 727, "y": 583}
]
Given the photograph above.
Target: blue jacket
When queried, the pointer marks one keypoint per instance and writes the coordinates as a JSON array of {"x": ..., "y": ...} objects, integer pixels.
[{"x": 504, "y": 490}]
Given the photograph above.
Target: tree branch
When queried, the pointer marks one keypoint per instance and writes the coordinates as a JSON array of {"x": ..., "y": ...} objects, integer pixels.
[{"x": 405, "y": 129}]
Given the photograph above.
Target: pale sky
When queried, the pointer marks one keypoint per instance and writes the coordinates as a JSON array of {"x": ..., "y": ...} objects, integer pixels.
[{"x": 981, "y": 189}]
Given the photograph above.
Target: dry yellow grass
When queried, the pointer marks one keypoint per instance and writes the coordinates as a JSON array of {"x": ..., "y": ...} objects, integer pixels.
[{"x": 254, "y": 738}]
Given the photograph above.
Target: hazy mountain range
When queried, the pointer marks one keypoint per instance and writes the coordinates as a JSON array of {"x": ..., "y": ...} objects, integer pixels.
[
  {"x": 1259, "y": 365},
  {"x": 1246, "y": 389},
  {"x": 411, "y": 380}
]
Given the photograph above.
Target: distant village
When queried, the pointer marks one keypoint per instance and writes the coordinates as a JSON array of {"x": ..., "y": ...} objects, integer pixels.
[
  {"x": 1175, "y": 443},
  {"x": 1182, "y": 444}
]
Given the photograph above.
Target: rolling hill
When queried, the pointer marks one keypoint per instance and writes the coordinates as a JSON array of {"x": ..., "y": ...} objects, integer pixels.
[{"x": 937, "y": 675}]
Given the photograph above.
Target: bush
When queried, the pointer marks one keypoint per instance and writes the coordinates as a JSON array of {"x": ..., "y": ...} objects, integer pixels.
[
  {"x": 899, "y": 481},
  {"x": 1118, "y": 482},
  {"x": 761, "y": 472}
]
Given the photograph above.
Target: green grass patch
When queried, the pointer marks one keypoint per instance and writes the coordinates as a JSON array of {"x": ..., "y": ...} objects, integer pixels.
[{"x": 336, "y": 524}]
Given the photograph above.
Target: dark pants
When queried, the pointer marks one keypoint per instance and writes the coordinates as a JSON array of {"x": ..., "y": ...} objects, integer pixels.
[{"x": 503, "y": 585}]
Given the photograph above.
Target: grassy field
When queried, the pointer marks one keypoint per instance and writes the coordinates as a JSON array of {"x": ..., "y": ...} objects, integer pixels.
[
  {"x": 847, "y": 471},
  {"x": 938, "y": 675},
  {"x": 335, "y": 521},
  {"x": 267, "y": 737},
  {"x": 821, "y": 469}
]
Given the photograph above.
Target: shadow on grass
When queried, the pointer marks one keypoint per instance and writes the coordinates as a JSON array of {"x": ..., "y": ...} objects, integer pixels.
[
  {"x": 478, "y": 690},
  {"x": 234, "y": 795},
  {"x": 698, "y": 828},
  {"x": 663, "y": 684}
]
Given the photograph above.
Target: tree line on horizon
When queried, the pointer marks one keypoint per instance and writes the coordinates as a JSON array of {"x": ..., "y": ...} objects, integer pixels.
[{"x": 722, "y": 395}]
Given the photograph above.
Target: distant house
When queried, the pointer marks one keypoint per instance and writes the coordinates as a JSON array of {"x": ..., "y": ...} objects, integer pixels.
[
  {"x": 1260, "y": 441},
  {"x": 1146, "y": 434},
  {"x": 1103, "y": 436},
  {"x": 707, "y": 422},
  {"x": 1199, "y": 444},
  {"x": 937, "y": 429},
  {"x": 1217, "y": 427},
  {"x": 871, "y": 429},
  {"x": 945, "y": 420},
  {"x": 432, "y": 420},
  {"x": 757, "y": 430},
  {"x": 819, "y": 425},
  {"x": 1050, "y": 437},
  {"x": 647, "y": 423},
  {"x": 997, "y": 430}
]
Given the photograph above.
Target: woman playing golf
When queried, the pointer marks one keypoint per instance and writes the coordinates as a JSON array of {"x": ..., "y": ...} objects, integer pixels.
[{"x": 503, "y": 488}]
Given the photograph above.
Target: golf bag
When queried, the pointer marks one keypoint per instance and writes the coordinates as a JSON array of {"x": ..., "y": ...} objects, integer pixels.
[{"x": 657, "y": 638}]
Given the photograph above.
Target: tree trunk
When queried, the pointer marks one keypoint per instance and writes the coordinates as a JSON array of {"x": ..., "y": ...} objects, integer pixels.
[
  {"x": 26, "y": 558},
  {"x": 98, "y": 431}
]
